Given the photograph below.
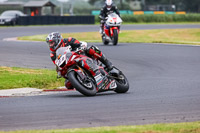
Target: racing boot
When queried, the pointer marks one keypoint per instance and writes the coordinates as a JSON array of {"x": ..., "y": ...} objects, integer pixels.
[
  {"x": 106, "y": 62},
  {"x": 109, "y": 67},
  {"x": 94, "y": 52},
  {"x": 101, "y": 30}
]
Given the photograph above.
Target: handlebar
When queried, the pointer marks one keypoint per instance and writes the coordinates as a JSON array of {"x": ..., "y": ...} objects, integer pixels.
[{"x": 79, "y": 50}]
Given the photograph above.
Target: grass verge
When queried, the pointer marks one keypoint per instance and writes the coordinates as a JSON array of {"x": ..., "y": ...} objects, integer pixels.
[
  {"x": 190, "y": 127},
  {"x": 13, "y": 77},
  {"x": 177, "y": 36}
]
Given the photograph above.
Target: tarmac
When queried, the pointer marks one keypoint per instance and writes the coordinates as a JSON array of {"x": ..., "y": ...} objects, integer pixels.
[{"x": 29, "y": 91}]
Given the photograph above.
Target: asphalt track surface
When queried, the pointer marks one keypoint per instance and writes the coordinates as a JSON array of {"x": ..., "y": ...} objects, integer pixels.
[{"x": 164, "y": 84}]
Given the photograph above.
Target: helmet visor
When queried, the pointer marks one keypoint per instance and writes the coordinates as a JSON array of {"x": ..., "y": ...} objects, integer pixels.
[
  {"x": 51, "y": 43},
  {"x": 109, "y": 6}
]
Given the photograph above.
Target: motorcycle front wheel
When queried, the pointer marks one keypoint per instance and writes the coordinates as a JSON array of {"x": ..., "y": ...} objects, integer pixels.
[
  {"x": 122, "y": 83},
  {"x": 86, "y": 87},
  {"x": 115, "y": 37}
]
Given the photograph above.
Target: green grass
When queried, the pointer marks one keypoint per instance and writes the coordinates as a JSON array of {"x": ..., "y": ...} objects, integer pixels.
[
  {"x": 190, "y": 127},
  {"x": 12, "y": 77},
  {"x": 177, "y": 36}
]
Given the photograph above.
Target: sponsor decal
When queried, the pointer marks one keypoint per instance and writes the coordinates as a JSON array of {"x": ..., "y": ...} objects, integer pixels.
[
  {"x": 98, "y": 78},
  {"x": 59, "y": 56},
  {"x": 113, "y": 85},
  {"x": 73, "y": 57},
  {"x": 97, "y": 55}
]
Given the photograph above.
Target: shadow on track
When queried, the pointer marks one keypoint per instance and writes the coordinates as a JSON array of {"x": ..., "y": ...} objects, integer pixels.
[{"x": 79, "y": 95}]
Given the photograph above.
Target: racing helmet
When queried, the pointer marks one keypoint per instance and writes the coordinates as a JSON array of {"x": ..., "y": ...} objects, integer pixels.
[
  {"x": 108, "y": 4},
  {"x": 54, "y": 40}
]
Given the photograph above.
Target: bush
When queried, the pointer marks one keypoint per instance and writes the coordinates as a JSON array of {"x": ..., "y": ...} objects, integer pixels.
[{"x": 147, "y": 18}]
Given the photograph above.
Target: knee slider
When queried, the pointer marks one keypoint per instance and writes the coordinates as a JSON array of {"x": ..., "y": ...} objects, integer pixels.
[{"x": 94, "y": 51}]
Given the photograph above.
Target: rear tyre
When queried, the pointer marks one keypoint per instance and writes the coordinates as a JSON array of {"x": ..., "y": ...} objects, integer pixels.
[
  {"x": 115, "y": 37},
  {"x": 86, "y": 88}
]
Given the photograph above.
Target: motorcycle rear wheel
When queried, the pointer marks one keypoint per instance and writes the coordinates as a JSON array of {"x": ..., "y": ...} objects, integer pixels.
[{"x": 87, "y": 89}]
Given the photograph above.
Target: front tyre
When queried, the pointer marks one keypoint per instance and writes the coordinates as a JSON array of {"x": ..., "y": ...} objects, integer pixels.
[
  {"x": 86, "y": 88},
  {"x": 115, "y": 37},
  {"x": 122, "y": 83}
]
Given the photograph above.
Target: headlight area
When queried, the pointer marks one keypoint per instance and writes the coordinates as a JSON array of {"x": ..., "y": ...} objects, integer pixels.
[{"x": 8, "y": 20}]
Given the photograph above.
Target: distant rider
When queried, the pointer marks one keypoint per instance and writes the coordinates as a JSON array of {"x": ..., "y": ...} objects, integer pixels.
[
  {"x": 55, "y": 41},
  {"x": 108, "y": 8}
]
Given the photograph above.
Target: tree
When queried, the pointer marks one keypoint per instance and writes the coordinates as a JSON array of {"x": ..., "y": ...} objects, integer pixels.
[
  {"x": 187, "y": 5},
  {"x": 92, "y": 2},
  {"x": 192, "y": 5},
  {"x": 121, "y": 4}
]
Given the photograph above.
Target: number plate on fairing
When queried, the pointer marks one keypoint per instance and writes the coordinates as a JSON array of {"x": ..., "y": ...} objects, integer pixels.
[
  {"x": 61, "y": 60},
  {"x": 102, "y": 82}
]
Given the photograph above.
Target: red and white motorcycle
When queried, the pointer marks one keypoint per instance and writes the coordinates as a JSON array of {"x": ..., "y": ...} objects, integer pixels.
[
  {"x": 87, "y": 75},
  {"x": 111, "y": 29}
]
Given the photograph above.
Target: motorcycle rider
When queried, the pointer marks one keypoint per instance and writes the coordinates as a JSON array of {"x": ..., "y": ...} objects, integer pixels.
[
  {"x": 55, "y": 41},
  {"x": 105, "y": 10}
]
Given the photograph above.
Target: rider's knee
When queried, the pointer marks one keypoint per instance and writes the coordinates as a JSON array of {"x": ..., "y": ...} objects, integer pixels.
[{"x": 94, "y": 51}]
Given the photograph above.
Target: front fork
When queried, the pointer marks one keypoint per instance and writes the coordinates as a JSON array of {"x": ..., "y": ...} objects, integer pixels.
[{"x": 112, "y": 29}]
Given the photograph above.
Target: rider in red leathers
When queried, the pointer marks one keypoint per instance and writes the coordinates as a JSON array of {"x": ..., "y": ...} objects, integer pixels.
[{"x": 56, "y": 41}]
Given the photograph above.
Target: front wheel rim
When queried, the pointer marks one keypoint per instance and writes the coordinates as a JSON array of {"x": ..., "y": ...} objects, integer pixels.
[
  {"x": 87, "y": 85},
  {"x": 122, "y": 79}
]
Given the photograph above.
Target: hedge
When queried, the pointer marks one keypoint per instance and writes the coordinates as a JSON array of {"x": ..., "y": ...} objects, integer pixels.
[{"x": 147, "y": 18}]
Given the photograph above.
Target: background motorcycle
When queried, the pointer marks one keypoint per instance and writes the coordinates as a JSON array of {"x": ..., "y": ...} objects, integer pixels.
[
  {"x": 91, "y": 80},
  {"x": 111, "y": 29}
]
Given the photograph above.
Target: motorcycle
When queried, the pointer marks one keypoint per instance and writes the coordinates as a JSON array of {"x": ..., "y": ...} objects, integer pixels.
[
  {"x": 111, "y": 29},
  {"x": 87, "y": 75}
]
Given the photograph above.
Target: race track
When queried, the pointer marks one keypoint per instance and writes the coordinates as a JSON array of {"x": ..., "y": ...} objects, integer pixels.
[{"x": 164, "y": 84}]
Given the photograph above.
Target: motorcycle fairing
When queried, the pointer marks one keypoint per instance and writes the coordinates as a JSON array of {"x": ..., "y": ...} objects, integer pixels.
[
  {"x": 106, "y": 30},
  {"x": 80, "y": 73},
  {"x": 88, "y": 64},
  {"x": 109, "y": 30},
  {"x": 103, "y": 82}
]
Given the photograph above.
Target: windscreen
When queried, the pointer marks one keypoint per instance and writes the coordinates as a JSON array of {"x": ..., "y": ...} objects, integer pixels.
[
  {"x": 113, "y": 15},
  {"x": 63, "y": 54},
  {"x": 11, "y": 13},
  {"x": 63, "y": 50}
]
